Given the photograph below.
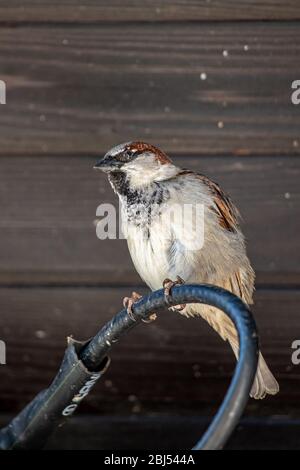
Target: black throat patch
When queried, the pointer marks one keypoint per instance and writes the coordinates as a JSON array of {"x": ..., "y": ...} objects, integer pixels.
[{"x": 140, "y": 204}]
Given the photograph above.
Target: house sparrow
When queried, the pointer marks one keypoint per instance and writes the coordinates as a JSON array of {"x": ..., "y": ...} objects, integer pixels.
[{"x": 148, "y": 185}]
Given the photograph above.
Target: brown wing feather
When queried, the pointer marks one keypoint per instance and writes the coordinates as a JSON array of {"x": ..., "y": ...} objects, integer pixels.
[
  {"x": 227, "y": 212},
  {"x": 223, "y": 206}
]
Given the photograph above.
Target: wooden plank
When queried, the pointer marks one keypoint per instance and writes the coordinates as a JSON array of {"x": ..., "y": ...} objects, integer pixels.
[
  {"x": 48, "y": 208},
  {"x": 92, "y": 432},
  {"x": 170, "y": 433},
  {"x": 167, "y": 366},
  {"x": 82, "y": 90},
  {"x": 70, "y": 11},
  {"x": 162, "y": 433}
]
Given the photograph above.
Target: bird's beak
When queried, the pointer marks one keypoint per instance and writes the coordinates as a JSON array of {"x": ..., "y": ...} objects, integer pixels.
[{"x": 107, "y": 164}]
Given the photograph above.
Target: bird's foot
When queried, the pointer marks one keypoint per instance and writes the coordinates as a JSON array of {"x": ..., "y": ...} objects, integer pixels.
[
  {"x": 150, "y": 319},
  {"x": 128, "y": 303},
  {"x": 167, "y": 286}
]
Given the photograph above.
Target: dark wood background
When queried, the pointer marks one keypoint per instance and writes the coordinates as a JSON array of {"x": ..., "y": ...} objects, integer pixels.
[{"x": 84, "y": 76}]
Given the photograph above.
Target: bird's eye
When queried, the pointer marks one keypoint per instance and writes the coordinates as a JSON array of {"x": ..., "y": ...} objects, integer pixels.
[
  {"x": 130, "y": 153},
  {"x": 126, "y": 155}
]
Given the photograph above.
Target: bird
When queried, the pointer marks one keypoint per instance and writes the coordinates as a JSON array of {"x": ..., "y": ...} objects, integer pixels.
[{"x": 211, "y": 249}]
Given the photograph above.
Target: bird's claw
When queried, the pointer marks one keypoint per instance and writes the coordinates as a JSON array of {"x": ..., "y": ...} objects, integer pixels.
[
  {"x": 178, "y": 308},
  {"x": 128, "y": 303},
  {"x": 167, "y": 286},
  {"x": 152, "y": 317}
]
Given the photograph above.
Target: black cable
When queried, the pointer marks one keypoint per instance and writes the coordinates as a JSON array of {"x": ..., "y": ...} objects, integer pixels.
[
  {"x": 236, "y": 397},
  {"x": 84, "y": 364}
]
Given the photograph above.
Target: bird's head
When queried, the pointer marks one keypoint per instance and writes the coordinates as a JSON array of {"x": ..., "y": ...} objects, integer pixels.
[{"x": 140, "y": 162}]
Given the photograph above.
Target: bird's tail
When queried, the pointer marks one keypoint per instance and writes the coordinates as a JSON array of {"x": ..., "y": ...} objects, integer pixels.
[
  {"x": 242, "y": 285},
  {"x": 264, "y": 382}
]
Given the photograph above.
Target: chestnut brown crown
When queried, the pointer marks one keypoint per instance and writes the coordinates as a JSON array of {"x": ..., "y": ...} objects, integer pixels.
[{"x": 116, "y": 157}]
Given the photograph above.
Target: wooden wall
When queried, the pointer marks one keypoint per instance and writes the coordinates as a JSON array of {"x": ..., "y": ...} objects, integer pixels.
[{"x": 209, "y": 82}]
